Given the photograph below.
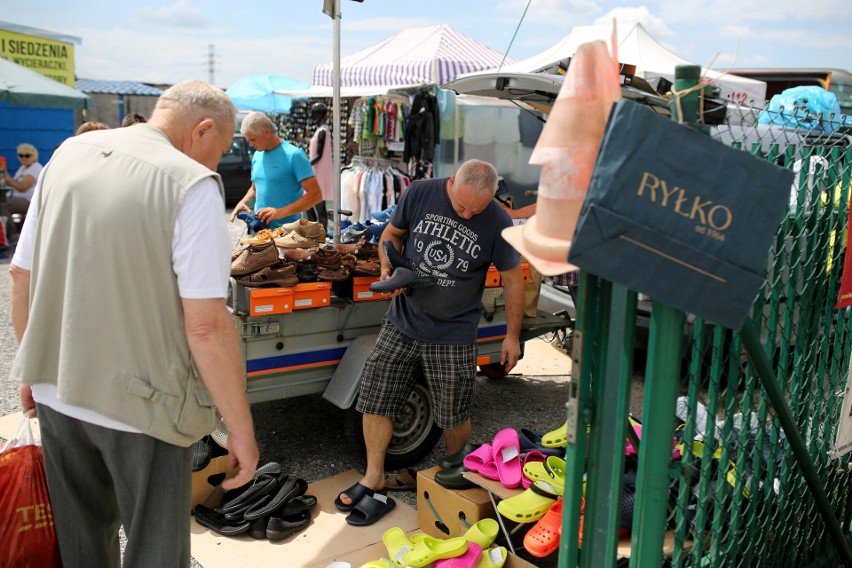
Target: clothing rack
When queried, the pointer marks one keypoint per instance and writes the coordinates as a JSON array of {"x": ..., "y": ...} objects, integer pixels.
[{"x": 370, "y": 161}]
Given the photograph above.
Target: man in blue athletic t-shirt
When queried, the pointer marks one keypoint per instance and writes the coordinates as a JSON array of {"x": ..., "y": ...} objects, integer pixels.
[
  {"x": 449, "y": 229},
  {"x": 283, "y": 184}
]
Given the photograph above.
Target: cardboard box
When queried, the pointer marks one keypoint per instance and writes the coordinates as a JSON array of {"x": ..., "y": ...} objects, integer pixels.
[
  {"x": 311, "y": 295},
  {"x": 453, "y": 511},
  {"x": 206, "y": 482},
  {"x": 361, "y": 289}
]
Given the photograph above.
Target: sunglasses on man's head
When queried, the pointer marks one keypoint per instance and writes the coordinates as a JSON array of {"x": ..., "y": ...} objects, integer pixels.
[{"x": 24, "y": 155}]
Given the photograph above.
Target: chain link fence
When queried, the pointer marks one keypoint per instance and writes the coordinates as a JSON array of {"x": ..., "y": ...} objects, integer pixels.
[{"x": 738, "y": 498}]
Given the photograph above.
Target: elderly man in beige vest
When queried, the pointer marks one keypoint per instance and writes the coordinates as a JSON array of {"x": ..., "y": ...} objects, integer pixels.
[{"x": 126, "y": 344}]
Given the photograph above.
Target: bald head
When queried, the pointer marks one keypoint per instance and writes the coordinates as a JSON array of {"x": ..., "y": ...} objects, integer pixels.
[{"x": 190, "y": 102}]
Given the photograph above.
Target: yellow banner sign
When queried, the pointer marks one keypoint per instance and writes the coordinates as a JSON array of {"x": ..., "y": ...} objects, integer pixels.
[{"x": 51, "y": 58}]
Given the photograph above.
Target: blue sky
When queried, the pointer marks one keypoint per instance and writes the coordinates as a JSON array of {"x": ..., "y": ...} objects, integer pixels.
[{"x": 167, "y": 41}]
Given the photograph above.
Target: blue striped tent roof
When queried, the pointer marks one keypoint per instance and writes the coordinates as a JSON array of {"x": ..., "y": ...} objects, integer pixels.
[
  {"x": 429, "y": 55},
  {"x": 116, "y": 87}
]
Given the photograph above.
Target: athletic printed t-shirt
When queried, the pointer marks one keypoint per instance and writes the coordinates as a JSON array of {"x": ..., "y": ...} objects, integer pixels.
[
  {"x": 457, "y": 252},
  {"x": 277, "y": 175}
]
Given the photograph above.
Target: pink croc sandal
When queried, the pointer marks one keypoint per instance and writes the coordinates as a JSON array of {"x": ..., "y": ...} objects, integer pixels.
[
  {"x": 506, "y": 449},
  {"x": 478, "y": 459}
]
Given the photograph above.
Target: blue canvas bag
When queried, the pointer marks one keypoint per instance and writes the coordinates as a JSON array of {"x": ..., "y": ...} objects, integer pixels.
[{"x": 676, "y": 215}]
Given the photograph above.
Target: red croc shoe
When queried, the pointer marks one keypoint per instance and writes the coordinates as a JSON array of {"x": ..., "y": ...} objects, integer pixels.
[{"x": 543, "y": 539}]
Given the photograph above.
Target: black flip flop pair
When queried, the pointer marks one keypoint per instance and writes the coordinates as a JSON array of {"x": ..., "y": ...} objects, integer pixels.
[{"x": 367, "y": 506}]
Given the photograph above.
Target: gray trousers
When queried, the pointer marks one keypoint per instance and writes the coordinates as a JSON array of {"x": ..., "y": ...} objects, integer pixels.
[{"x": 99, "y": 479}]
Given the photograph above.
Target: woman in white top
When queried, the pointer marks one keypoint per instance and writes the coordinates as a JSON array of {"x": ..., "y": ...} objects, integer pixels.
[{"x": 22, "y": 185}]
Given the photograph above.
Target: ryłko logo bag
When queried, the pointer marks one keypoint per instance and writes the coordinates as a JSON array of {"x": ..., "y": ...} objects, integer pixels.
[
  {"x": 27, "y": 535},
  {"x": 676, "y": 215}
]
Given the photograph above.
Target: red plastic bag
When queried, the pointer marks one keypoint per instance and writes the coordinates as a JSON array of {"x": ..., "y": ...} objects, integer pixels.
[{"x": 27, "y": 534}]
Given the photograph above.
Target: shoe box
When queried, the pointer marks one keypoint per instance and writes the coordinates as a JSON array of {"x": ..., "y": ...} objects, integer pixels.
[
  {"x": 311, "y": 295},
  {"x": 264, "y": 301},
  {"x": 206, "y": 482},
  {"x": 447, "y": 513},
  {"x": 357, "y": 289},
  {"x": 493, "y": 280}
]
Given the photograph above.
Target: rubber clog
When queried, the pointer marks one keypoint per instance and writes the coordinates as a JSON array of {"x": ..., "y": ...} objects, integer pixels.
[
  {"x": 534, "y": 471},
  {"x": 555, "y": 469},
  {"x": 482, "y": 532},
  {"x": 430, "y": 549},
  {"x": 530, "y": 458},
  {"x": 531, "y": 441},
  {"x": 556, "y": 438},
  {"x": 543, "y": 539},
  {"x": 467, "y": 560},
  {"x": 453, "y": 478},
  {"x": 397, "y": 544},
  {"x": 479, "y": 458},
  {"x": 457, "y": 459},
  {"x": 506, "y": 452},
  {"x": 529, "y": 506},
  {"x": 493, "y": 557}
]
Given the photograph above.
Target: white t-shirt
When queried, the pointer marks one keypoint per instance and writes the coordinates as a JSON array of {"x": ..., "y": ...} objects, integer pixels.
[
  {"x": 32, "y": 170},
  {"x": 200, "y": 223}
]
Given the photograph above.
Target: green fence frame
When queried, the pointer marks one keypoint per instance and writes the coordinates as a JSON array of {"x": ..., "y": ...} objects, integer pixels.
[{"x": 741, "y": 488}]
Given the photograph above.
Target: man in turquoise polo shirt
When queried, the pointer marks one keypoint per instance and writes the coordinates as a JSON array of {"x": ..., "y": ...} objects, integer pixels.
[{"x": 283, "y": 184}]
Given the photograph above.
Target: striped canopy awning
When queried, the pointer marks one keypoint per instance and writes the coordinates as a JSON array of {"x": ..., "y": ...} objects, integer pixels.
[{"x": 416, "y": 56}]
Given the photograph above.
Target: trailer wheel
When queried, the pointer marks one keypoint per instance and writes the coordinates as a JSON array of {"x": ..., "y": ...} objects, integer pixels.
[
  {"x": 414, "y": 430},
  {"x": 493, "y": 370}
]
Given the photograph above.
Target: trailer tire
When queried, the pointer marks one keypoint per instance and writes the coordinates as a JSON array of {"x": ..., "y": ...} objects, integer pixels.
[{"x": 414, "y": 431}]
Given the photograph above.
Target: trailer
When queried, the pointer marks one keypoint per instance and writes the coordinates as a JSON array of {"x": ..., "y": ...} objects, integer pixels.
[{"x": 318, "y": 343}]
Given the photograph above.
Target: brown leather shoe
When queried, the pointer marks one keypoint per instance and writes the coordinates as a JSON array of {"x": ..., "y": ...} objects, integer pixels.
[
  {"x": 310, "y": 229},
  {"x": 334, "y": 275},
  {"x": 253, "y": 258},
  {"x": 328, "y": 258},
  {"x": 367, "y": 268},
  {"x": 271, "y": 276},
  {"x": 301, "y": 255}
]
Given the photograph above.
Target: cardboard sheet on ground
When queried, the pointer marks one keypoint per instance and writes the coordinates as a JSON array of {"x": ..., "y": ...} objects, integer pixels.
[{"x": 326, "y": 539}]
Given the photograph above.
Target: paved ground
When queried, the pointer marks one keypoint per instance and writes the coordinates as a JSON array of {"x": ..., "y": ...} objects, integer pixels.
[{"x": 306, "y": 435}]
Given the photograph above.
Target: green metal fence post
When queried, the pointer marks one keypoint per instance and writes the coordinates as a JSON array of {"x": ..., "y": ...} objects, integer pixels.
[
  {"x": 661, "y": 384},
  {"x": 588, "y": 338},
  {"x": 611, "y": 394}
]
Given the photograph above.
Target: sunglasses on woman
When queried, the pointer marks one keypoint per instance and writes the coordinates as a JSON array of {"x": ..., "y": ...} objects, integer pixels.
[{"x": 24, "y": 155}]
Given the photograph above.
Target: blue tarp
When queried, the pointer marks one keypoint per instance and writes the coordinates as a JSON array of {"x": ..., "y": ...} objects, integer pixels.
[{"x": 256, "y": 93}]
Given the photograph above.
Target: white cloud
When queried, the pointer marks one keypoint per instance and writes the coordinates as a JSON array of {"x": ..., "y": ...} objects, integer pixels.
[
  {"x": 181, "y": 14},
  {"x": 656, "y": 26}
]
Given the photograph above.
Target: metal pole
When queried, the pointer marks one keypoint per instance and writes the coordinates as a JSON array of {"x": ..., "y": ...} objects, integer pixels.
[
  {"x": 661, "y": 384},
  {"x": 606, "y": 455},
  {"x": 336, "y": 125},
  {"x": 751, "y": 341}
]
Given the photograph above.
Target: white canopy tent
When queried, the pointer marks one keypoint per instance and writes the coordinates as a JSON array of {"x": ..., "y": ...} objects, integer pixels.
[{"x": 637, "y": 47}]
